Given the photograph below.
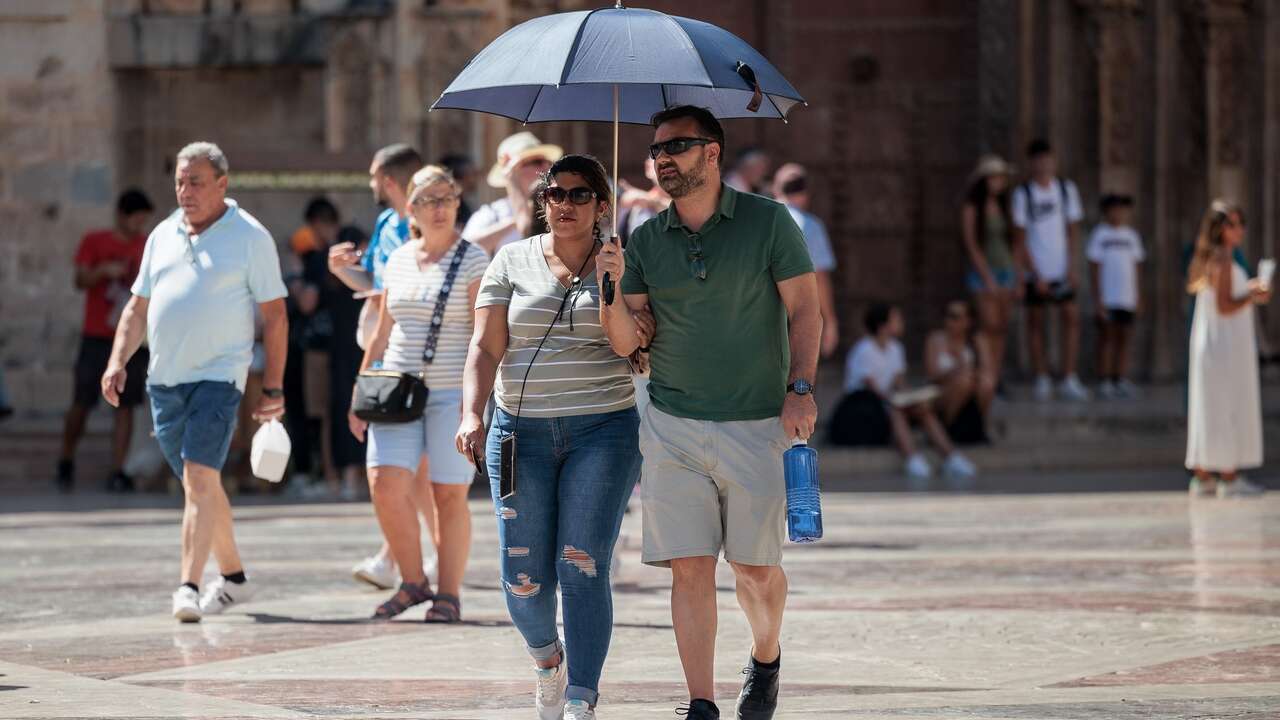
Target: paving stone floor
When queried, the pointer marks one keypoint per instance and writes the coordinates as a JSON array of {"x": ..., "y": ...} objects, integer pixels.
[{"x": 1121, "y": 605}]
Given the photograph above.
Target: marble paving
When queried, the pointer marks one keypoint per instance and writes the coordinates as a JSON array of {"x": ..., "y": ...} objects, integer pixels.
[{"x": 1124, "y": 606}]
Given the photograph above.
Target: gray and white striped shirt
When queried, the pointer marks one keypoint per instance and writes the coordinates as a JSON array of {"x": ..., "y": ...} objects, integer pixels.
[
  {"x": 411, "y": 299},
  {"x": 576, "y": 372}
]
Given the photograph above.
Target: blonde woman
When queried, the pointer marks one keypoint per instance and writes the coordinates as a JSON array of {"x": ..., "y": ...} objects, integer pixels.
[
  {"x": 1224, "y": 416},
  {"x": 415, "y": 279}
]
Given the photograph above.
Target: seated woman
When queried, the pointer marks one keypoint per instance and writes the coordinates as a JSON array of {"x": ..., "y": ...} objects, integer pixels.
[
  {"x": 874, "y": 372},
  {"x": 959, "y": 362}
]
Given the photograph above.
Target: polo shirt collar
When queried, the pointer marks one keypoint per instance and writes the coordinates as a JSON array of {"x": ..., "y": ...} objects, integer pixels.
[
  {"x": 728, "y": 202},
  {"x": 232, "y": 209}
]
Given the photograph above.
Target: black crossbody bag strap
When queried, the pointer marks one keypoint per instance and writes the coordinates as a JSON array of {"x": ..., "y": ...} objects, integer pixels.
[{"x": 442, "y": 302}]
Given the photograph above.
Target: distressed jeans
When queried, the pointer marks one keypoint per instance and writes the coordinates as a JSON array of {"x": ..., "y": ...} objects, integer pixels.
[{"x": 574, "y": 476}]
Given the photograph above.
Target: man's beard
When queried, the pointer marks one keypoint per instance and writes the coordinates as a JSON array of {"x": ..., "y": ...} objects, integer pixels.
[{"x": 681, "y": 184}]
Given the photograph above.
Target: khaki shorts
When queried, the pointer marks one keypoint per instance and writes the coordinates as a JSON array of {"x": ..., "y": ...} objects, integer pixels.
[{"x": 709, "y": 486}]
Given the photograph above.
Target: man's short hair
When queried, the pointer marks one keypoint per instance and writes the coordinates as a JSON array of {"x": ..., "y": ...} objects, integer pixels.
[
  {"x": 708, "y": 125},
  {"x": 208, "y": 151},
  {"x": 319, "y": 209},
  {"x": 400, "y": 161},
  {"x": 1038, "y": 147},
  {"x": 877, "y": 316},
  {"x": 133, "y": 201}
]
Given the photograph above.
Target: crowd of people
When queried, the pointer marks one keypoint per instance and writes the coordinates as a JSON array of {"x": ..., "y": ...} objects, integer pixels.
[{"x": 696, "y": 376}]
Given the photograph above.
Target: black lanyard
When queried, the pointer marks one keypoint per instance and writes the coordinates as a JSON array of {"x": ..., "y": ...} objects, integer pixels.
[{"x": 442, "y": 301}]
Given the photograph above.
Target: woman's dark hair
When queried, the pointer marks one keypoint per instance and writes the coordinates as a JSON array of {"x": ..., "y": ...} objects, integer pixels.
[
  {"x": 877, "y": 316},
  {"x": 977, "y": 197},
  {"x": 132, "y": 201},
  {"x": 586, "y": 167}
]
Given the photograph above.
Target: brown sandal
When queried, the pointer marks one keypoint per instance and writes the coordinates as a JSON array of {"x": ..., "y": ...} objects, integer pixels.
[
  {"x": 406, "y": 597},
  {"x": 445, "y": 609}
]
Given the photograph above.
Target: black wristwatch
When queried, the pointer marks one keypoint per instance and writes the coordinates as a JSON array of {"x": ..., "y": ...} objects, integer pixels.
[
  {"x": 800, "y": 387},
  {"x": 273, "y": 393}
]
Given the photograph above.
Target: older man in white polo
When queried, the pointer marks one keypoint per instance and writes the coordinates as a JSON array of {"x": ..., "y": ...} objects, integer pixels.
[
  {"x": 522, "y": 158},
  {"x": 204, "y": 269}
]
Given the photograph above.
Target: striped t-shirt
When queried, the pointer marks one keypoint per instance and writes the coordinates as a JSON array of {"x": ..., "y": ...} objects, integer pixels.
[
  {"x": 411, "y": 298},
  {"x": 576, "y": 372}
]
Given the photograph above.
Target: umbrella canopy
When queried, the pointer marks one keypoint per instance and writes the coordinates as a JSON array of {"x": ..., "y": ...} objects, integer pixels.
[{"x": 566, "y": 67}]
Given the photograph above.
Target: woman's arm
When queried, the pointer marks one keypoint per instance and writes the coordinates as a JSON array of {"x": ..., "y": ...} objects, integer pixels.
[
  {"x": 931, "y": 347},
  {"x": 381, "y": 334},
  {"x": 969, "y": 231},
  {"x": 1222, "y": 278}
]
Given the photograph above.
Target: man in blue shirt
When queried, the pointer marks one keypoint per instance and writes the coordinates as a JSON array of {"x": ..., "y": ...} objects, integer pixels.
[{"x": 203, "y": 271}]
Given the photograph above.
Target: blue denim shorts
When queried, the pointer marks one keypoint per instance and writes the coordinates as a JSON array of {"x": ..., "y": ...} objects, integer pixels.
[
  {"x": 195, "y": 421},
  {"x": 402, "y": 445},
  {"x": 1004, "y": 278}
]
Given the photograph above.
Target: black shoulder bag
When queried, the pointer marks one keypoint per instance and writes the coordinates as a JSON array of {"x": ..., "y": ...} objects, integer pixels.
[{"x": 387, "y": 396}]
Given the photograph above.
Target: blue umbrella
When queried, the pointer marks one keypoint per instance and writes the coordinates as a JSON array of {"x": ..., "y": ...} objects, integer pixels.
[{"x": 618, "y": 65}]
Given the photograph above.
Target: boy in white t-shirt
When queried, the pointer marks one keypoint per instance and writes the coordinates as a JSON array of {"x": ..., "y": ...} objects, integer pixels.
[
  {"x": 1046, "y": 214},
  {"x": 1115, "y": 252}
]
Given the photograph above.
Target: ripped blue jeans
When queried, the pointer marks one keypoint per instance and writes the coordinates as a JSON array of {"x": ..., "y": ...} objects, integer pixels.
[{"x": 574, "y": 476}]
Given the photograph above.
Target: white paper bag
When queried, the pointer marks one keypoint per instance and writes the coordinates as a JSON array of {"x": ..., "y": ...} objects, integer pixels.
[{"x": 269, "y": 455}]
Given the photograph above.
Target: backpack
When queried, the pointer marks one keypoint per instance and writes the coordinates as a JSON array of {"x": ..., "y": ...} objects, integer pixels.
[{"x": 1025, "y": 188}]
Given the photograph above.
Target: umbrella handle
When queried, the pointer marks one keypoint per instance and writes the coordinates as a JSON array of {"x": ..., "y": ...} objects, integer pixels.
[{"x": 606, "y": 283}]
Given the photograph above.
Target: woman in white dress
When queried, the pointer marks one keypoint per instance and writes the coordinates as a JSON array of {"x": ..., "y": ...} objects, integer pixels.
[{"x": 1224, "y": 421}]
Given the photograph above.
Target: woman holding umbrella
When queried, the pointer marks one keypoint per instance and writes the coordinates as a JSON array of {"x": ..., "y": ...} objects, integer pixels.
[{"x": 566, "y": 405}]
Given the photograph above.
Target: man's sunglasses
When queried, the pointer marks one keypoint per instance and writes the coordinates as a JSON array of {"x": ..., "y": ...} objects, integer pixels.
[
  {"x": 577, "y": 196},
  {"x": 675, "y": 146}
]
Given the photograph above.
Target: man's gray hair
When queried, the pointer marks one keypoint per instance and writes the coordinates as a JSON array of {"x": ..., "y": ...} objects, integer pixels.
[{"x": 208, "y": 151}]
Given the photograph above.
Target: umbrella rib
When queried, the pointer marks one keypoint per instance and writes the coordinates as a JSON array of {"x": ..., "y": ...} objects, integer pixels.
[
  {"x": 776, "y": 108},
  {"x": 573, "y": 49}
]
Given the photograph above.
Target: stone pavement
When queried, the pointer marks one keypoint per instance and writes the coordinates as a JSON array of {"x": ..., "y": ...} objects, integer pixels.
[{"x": 1118, "y": 606}]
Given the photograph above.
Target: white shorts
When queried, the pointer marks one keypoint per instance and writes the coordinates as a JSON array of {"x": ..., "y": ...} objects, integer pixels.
[{"x": 403, "y": 444}]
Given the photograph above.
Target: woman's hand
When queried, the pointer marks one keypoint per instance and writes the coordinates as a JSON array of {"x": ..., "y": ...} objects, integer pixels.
[
  {"x": 470, "y": 438},
  {"x": 1258, "y": 292},
  {"x": 609, "y": 260},
  {"x": 646, "y": 326},
  {"x": 358, "y": 426}
]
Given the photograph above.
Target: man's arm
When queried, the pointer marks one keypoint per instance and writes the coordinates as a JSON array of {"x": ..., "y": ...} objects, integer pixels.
[
  {"x": 827, "y": 307},
  {"x": 133, "y": 325},
  {"x": 800, "y": 296},
  {"x": 275, "y": 341}
]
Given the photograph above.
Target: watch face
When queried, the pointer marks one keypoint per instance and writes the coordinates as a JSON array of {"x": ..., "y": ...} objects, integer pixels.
[{"x": 802, "y": 387}]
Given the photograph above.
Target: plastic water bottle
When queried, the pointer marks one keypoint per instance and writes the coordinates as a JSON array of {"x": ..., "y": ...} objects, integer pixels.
[{"x": 804, "y": 496}]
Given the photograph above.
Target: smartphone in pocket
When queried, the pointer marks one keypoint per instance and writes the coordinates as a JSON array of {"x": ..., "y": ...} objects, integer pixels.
[{"x": 507, "y": 467}]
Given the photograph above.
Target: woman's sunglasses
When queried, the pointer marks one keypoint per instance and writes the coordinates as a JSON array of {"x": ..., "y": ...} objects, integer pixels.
[
  {"x": 675, "y": 146},
  {"x": 577, "y": 196},
  {"x": 433, "y": 202}
]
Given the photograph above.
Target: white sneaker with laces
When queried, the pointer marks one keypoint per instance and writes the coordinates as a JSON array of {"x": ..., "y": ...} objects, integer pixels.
[
  {"x": 223, "y": 593},
  {"x": 186, "y": 605},
  {"x": 552, "y": 683},
  {"x": 959, "y": 467},
  {"x": 1044, "y": 389},
  {"x": 379, "y": 572},
  {"x": 1108, "y": 390},
  {"x": 578, "y": 710},
  {"x": 1239, "y": 488},
  {"x": 1128, "y": 390},
  {"x": 1072, "y": 389}
]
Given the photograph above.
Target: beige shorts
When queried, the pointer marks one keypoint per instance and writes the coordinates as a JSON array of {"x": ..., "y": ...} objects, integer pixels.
[{"x": 712, "y": 486}]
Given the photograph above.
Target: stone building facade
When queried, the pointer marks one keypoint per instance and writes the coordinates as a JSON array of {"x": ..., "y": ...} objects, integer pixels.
[{"x": 1173, "y": 101}]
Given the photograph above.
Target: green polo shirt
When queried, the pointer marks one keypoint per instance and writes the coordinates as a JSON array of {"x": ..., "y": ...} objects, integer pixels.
[{"x": 721, "y": 351}]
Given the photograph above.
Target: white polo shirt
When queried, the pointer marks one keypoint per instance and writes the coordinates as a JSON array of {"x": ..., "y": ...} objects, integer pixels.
[{"x": 202, "y": 291}]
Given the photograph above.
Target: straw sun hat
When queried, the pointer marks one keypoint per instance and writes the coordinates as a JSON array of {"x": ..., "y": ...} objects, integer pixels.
[
  {"x": 515, "y": 150},
  {"x": 989, "y": 165}
]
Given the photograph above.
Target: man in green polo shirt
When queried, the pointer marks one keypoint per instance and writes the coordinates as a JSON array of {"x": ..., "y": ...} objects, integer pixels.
[{"x": 734, "y": 296}]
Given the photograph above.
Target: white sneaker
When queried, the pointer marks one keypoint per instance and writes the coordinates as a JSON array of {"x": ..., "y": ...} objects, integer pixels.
[
  {"x": 1128, "y": 390},
  {"x": 918, "y": 470},
  {"x": 1108, "y": 390},
  {"x": 186, "y": 605},
  {"x": 1239, "y": 488},
  {"x": 959, "y": 467},
  {"x": 552, "y": 683},
  {"x": 1044, "y": 389},
  {"x": 578, "y": 710},
  {"x": 222, "y": 594},
  {"x": 1072, "y": 389},
  {"x": 379, "y": 572},
  {"x": 1197, "y": 489}
]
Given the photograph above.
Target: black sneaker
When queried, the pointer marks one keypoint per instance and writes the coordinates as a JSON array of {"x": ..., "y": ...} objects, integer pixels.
[
  {"x": 66, "y": 477},
  {"x": 699, "y": 710},
  {"x": 120, "y": 482},
  {"x": 759, "y": 697}
]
